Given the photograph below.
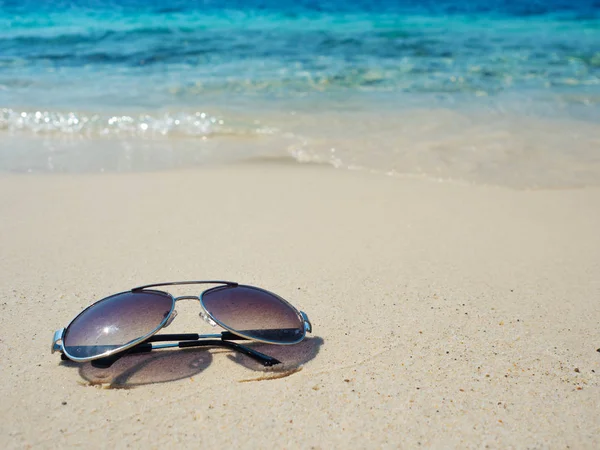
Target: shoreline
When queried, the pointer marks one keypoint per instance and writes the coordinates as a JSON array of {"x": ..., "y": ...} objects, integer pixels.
[
  {"x": 481, "y": 147},
  {"x": 444, "y": 314}
]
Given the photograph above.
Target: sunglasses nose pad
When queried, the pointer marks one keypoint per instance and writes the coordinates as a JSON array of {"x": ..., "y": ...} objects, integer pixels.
[
  {"x": 207, "y": 319},
  {"x": 171, "y": 319}
]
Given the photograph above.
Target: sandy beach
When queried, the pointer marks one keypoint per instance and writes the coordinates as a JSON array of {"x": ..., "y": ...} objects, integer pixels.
[{"x": 445, "y": 315}]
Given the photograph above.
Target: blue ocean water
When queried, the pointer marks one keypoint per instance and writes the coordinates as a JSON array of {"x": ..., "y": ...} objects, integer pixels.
[{"x": 301, "y": 77}]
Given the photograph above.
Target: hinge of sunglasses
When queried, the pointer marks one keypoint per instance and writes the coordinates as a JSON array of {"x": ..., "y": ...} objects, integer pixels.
[
  {"x": 58, "y": 335},
  {"x": 307, "y": 324}
]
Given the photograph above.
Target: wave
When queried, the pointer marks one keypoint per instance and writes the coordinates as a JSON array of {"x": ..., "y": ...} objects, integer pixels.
[
  {"x": 473, "y": 145},
  {"x": 181, "y": 124}
]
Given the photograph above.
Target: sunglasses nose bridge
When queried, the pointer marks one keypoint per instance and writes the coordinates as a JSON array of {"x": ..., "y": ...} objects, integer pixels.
[
  {"x": 203, "y": 314},
  {"x": 174, "y": 313},
  {"x": 187, "y": 297}
]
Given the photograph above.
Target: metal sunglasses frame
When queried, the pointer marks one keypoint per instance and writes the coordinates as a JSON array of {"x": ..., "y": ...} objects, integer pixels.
[{"x": 145, "y": 343}]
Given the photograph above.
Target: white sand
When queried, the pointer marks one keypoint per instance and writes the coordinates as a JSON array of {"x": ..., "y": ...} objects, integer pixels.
[{"x": 444, "y": 315}]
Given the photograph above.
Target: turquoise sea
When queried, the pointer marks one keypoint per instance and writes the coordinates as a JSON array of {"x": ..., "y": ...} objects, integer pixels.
[{"x": 488, "y": 91}]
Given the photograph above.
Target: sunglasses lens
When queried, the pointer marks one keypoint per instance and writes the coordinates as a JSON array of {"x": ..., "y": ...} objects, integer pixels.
[
  {"x": 115, "y": 322},
  {"x": 255, "y": 314}
]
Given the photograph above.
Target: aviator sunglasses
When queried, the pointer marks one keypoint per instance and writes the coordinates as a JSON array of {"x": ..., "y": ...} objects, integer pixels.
[{"x": 127, "y": 323}]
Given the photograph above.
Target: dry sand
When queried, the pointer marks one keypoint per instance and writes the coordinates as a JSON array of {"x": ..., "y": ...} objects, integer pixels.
[{"x": 444, "y": 315}]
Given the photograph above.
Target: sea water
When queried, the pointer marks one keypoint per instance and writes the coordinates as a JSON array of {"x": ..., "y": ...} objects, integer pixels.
[{"x": 486, "y": 91}]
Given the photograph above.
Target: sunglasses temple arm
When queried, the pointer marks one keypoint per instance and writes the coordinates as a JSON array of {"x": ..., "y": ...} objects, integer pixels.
[
  {"x": 225, "y": 335},
  {"x": 265, "y": 360},
  {"x": 106, "y": 362},
  {"x": 146, "y": 347}
]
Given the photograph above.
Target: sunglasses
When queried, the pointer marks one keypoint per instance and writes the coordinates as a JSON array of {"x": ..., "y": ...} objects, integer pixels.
[{"x": 127, "y": 323}]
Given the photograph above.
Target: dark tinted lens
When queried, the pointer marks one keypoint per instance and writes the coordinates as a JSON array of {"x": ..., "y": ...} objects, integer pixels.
[
  {"x": 254, "y": 313},
  {"x": 115, "y": 321}
]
